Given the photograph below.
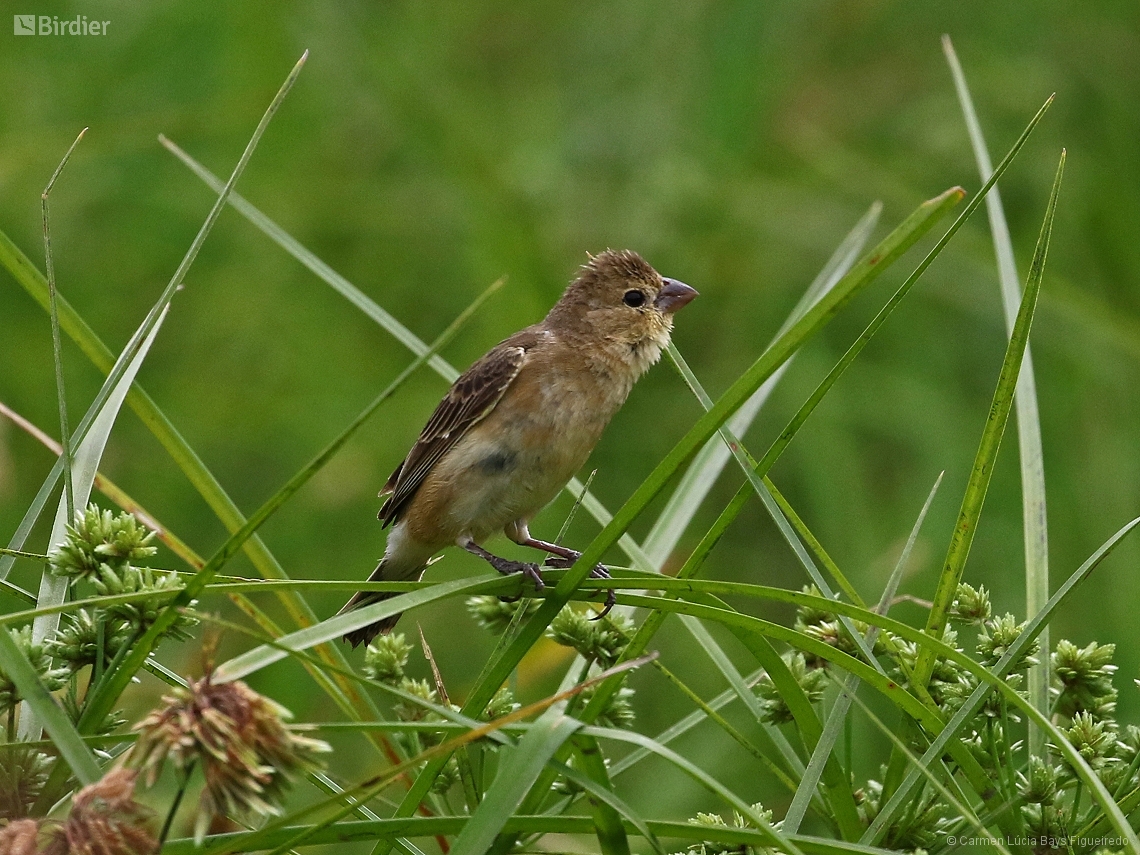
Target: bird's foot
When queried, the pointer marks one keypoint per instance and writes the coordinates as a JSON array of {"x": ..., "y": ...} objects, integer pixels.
[
  {"x": 505, "y": 566},
  {"x": 508, "y": 567},
  {"x": 597, "y": 572}
]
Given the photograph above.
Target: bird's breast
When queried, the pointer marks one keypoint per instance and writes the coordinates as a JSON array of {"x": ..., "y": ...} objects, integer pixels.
[{"x": 517, "y": 459}]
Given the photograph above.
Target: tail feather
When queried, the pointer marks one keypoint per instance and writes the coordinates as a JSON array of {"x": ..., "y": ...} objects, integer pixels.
[
  {"x": 382, "y": 573},
  {"x": 365, "y": 634}
]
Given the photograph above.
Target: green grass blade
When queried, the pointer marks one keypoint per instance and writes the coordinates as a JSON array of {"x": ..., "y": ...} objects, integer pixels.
[
  {"x": 740, "y": 686},
  {"x": 53, "y": 589},
  {"x": 252, "y": 661},
  {"x": 706, "y": 712},
  {"x": 805, "y": 534},
  {"x": 31, "y": 516},
  {"x": 764, "y": 487},
  {"x": 837, "y": 717},
  {"x": 680, "y": 728},
  {"x": 768, "y": 499},
  {"x": 757, "y": 634},
  {"x": 753, "y": 631},
  {"x": 982, "y": 470},
  {"x": 517, "y": 771},
  {"x": 706, "y": 467},
  {"x": 728, "y": 836},
  {"x": 323, "y": 271},
  {"x": 112, "y": 491},
  {"x": 56, "y": 343},
  {"x": 52, "y": 717},
  {"x": 720, "y": 659},
  {"x": 612, "y": 837},
  {"x": 200, "y": 238},
  {"x": 331, "y": 788},
  {"x": 1034, "y": 518},
  {"x": 17, "y": 592}
]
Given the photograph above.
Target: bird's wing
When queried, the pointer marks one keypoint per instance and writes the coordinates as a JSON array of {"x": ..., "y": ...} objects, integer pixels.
[{"x": 471, "y": 397}]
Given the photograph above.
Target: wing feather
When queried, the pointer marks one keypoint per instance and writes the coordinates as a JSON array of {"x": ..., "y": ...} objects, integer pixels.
[{"x": 471, "y": 397}]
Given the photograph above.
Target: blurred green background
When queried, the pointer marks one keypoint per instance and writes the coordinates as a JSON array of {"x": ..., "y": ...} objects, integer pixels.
[{"x": 429, "y": 149}]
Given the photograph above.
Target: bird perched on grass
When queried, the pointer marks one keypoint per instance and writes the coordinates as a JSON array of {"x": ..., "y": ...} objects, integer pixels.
[{"x": 520, "y": 422}]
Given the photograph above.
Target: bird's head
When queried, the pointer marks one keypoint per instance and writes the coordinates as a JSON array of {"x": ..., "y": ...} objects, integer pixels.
[{"x": 619, "y": 303}]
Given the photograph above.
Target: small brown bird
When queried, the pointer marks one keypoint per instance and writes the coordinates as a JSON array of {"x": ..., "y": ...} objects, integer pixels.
[{"x": 517, "y": 425}]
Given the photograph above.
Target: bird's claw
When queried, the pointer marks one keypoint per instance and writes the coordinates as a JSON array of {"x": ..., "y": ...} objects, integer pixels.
[
  {"x": 611, "y": 596},
  {"x": 597, "y": 572},
  {"x": 508, "y": 567}
]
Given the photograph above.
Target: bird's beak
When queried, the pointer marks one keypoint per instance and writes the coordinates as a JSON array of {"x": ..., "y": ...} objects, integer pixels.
[{"x": 673, "y": 295}]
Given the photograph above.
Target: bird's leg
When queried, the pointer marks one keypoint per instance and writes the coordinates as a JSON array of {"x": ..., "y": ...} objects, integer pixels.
[
  {"x": 562, "y": 556},
  {"x": 505, "y": 565}
]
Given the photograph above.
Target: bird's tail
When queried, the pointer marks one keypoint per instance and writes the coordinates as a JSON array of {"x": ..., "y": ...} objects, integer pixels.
[{"x": 384, "y": 572}]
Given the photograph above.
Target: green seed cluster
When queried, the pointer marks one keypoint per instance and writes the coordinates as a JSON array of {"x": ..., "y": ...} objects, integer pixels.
[{"x": 100, "y": 550}]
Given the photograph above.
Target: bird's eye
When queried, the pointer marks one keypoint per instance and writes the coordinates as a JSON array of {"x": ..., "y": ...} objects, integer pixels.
[{"x": 634, "y": 298}]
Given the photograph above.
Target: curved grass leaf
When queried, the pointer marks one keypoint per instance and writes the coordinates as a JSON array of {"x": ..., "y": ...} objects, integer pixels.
[
  {"x": 56, "y": 344},
  {"x": 756, "y": 472},
  {"x": 681, "y": 727},
  {"x": 85, "y": 463},
  {"x": 706, "y": 712},
  {"x": 709, "y": 462},
  {"x": 1034, "y": 518},
  {"x": 982, "y": 470},
  {"x": 929, "y": 718},
  {"x": 432, "y": 826},
  {"x": 247, "y": 663},
  {"x": 779, "y": 674},
  {"x": 944, "y": 791}
]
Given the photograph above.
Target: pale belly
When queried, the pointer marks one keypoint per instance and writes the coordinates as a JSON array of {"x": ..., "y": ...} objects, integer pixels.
[{"x": 507, "y": 471}]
